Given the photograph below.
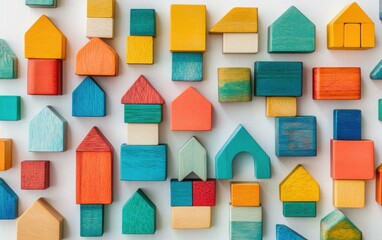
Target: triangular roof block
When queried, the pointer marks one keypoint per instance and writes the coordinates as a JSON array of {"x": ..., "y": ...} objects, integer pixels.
[
  {"x": 44, "y": 40},
  {"x": 8, "y": 61},
  {"x": 192, "y": 158},
  {"x": 142, "y": 92},
  {"x": 241, "y": 141},
  {"x": 285, "y": 233},
  {"x": 376, "y": 74},
  {"x": 299, "y": 186},
  {"x": 95, "y": 141},
  {"x": 8, "y": 202},
  {"x": 336, "y": 225},
  {"x": 238, "y": 20},
  {"x": 352, "y": 13}
]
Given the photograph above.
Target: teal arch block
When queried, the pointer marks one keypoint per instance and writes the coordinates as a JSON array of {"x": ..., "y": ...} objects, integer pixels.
[
  {"x": 10, "y": 108},
  {"x": 376, "y": 73},
  {"x": 181, "y": 192},
  {"x": 8, "y": 61},
  {"x": 187, "y": 66},
  {"x": 41, "y": 3},
  {"x": 8, "y": 202},
  {"x": 299, "y": 209},
  {"x": 91, "y": 224},
  {"x": 347, "y": 124},
  {"x": 285, "y": 233},
  {"x": 142, "y": 22},
  {"x": 143, "y": 113}
]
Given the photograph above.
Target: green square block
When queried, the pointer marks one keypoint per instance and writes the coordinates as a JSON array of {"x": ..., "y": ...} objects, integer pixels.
[
  {"x": 143, "y": 113},
  {"x": 299, "y": 209},
  {"x": 9, "y": 108},
  {"x": 187, "y": 66},
  {"x": 234, "y": 84},
  {"x": 91, "y": 220},
  {"x": 142, "y": 22},
  {"x": 41, "y": 3}
]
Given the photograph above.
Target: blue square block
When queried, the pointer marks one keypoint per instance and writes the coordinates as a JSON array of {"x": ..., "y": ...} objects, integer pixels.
[
  {"x": 91, "y": 220},
  {"x": 347, "y": 124},
  {"x": 9, "y": 108},
  {"x": 142, "y": 22},
  {"x": 181, "y": 193},
  {"x": 296, "y": 136},
  {"x": 187, "y": 66}
]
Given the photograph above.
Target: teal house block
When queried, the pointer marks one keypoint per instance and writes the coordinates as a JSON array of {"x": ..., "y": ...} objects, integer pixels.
[
  {"x": 278, "y": 79},
  {"x": 299, "y": 209},
  {"x": 8, "y": 61},
  {"x": 376, "y": 73},
  {"x": 337, "y": 226},
  {"x": 41, "y": 3},
  {"x": 91, "y": 220},
  {"x": 296, "y": 136},
  {"x": 246, "y": 223},
  {"x": 88, "y": 100},
  {"x": 143, "y": 162},
  {"x": 347, "y": 124},
  {"x": 9, "y": 108},
  {"x": 292, "y": 32},
  {"x": 139, "y": 215},
  {"x": 187, "y": 66},
  {"x": 8, "y": 202},
  {"x": 181, "y": 192},
  {"x": 285, "y": 233},
  {"x": 142, "y": 22},
  {"x": 143, "y": 113}
]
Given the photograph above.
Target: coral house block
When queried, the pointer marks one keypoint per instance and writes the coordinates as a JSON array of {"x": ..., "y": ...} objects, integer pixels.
[{"x": 35, "y": 175}]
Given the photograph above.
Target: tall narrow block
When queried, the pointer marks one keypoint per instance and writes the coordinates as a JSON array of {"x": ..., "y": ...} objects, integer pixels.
[
  {"x": 347, "y": 124},
  {"x": 5, "y": 154},
  {"x": 10, "y": 108},
  {"x": 91, "y": 224},
  {"x": 187, "y": 66},
  {"x": 234, "y": 84},
  {"x": 378, "y": 185}
]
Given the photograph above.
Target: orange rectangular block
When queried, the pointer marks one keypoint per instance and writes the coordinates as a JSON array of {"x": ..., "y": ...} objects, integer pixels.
[
  {"x": 337, "y": 83},
  {"x": 44, "y": 77},
  {"x": 5, "y": 154},
  {"x": 378, "y": 185},
  {"x": 245, "y": 194}
]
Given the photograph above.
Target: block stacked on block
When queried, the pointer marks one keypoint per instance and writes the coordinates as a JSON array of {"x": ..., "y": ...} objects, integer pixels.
[
  {"x": 8, "y": 61},
  {"x": 9, "y": 202},
  {"x": 336, "y": 225},
  {"x": 100, "y": 18}
]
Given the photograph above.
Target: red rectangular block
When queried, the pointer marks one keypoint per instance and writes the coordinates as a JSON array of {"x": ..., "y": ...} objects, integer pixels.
[
  {"x": 35, "y": 175},
  {"x": 204, "y": 193},
  {"x": 44, "y": 76}
]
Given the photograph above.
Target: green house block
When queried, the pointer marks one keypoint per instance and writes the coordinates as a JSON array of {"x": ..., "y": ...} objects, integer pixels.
[
  {"x": 91, "y": 220},
  {"x": 299, "y": 209},
  {"x": 8, "y": 62},
  {"x": 187, "y": 66},
  {"x": 380, "y": 109},
  {"x": 143, "y": 113},
  {"x": 142, "y": 22},
  {"x": 41, "y": 3},
  {"x": 234, "y": 84},
  {"x": 9, "y": 108}
]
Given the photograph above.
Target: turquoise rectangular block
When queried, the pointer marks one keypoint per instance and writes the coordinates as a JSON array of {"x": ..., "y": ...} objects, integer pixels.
[
  {"x": 299, "y": 209},
  {"x": 347, "y": 124},
  {"x": 181, "y": 193},
  {"x": 187, "y": 66},
  {"x": 143, "y": 113},
  {"x": 9, "y": 108},
  {"x": 91, "y": 220},
  {"x": 246, "y": 230},
  {"x": 41, "y": 3},
  {"x": 142, "y": 22}
]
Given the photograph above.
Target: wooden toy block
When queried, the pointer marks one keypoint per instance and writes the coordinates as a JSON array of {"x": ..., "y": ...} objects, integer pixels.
[
  {"x": 380, "y": 109},
  {"x": 143, "y": 113},
  {"x": 347, "y": 124},
  {"x": 35, "y": 175},
  {"x": 142, "y": 22},
  {"x": 240, "y": 42},
  {"x": 246, "y": 223},
  {"x": 140, "y": 50},
  {"x": 192, "y": 159},
  {"x": 246, "y": 214},
  {"x": 187, "y": 66},
  {"x": 296, "y": 136},
  {"x": 349, "y": 193},
  {"x": 9, "y": 108},
  {"x": 299, "y": 209},
  {"x": 278, "y": 79},
  {"x": 283, "y": 232},
  {"x": 336, "y": 225},
  {"x": 96, "y": 58},
  {"x": 44, "y": 77},
  {"x": 88, "y": 100},
  {"x": 181, "y": 193},
  {"x": 47, "y": 131},
  {"x": 281, "y": 106},
  {"x": 245, "y": 194},
  {"x": 44, "y": 40},
  {"x": 143, "y": 163},
  {"x": 204, "y": 192},
  {"x": 380, "y": 10},
  {"x": 352, "y": 35},
  {"x": 91, "y": 224},
  {"x": 94, "y": 169},
  {"x": 299, "y": 186},
  {"x": 40, "y": 221},
  {"x": 8, "y": 61},
  {"x": 238, "y": 20},
  {"x": 41, "y": 3},
  {"x": 378, "y": 185},
  {"x": 198, "y": 217},
  {"x": 352, "y": 159},
  {"x": 139, "y": 215},
  {"x": 100, "y": 27},
  {"x": 191, "y": 111},
  {"x": 100, "y": 8},
  {"x": 142, "y": 92},
  {"x": 142, "y": 134},
  {"x": 241, "y": 141},
  {"x": 376, "y": 73},
  {"x": 5, "y": 154},
  {"x": 187, "y": 28},
  {"x": 9, "y": 202},
  {"x": 234, "y": 85},
  {"x": 292, "y": 32}
]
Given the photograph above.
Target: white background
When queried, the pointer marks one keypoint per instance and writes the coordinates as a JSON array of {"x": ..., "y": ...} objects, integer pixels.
[{"x": 70, "y": 18}]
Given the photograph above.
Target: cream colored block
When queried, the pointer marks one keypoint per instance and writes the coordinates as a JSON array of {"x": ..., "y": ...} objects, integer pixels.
[
  {"x": 240, "y": 42},
  {"x": 142, "y": 134},
  {"x": 191, "y": 217},
  {"x": 100, "y": 27},
  {"x": 349, "y": 193}
]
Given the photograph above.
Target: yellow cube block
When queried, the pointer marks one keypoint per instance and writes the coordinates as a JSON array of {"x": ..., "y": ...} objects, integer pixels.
[
  {"x": 5, "y": 154},
  {"x": 140, "y": 50},
  {"x": 100, "y": 8},
  {"x": 245, "y": 194},
  {"x": 281, "y": 107},
  {"x": 349, "y": 193}
]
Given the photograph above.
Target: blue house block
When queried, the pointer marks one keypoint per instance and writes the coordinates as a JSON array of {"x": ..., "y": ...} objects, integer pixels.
[
  {"x": 9, "y": 108},
  {"x": 296, "y": 136},
  {"x": 181, "y": 193},
  {"x": 347, "y": 124},
  {"x": 187, "y": 66},
  {"x": 142, "y": 22},
  {"x": 8, "y": 202},
  {"x": 285, "y": 233},
  {"x": 91, "y": 220}
]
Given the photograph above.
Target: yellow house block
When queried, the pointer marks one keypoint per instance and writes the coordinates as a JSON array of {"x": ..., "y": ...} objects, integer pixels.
[
  {"x": 349, "y": 193},
  {"x": 100, "y": 8},
  {"x": 5, "y": 154},
  {"x": 281, "y": 107},
  {"x": 140, "y": 50}
]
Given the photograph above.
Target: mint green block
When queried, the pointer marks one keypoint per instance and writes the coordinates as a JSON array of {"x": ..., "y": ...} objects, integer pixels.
[
  {"x": 299, "y": 209},
  {"x": 91, "y": 220},
  {"x": 9, "y": 108},
  {"x": 143, "y": 113},
  {"x": 41, "y": 3},
  {"x": 8, "y": 62}
]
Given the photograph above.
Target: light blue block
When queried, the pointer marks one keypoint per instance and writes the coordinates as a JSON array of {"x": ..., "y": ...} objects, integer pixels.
[
  {"x": 8, "y": 61},
  {"x": 187, "y": 66},
  {"x": 41, "y": 3},
  {"x": 246, "y": 230},
  {"x": 9, "y": 108},
  {"x": 347, "y": 124},
  {"x": 181, "y": 193},
  {"x": 142, "y": 22},
  {"x": 91, "y": 220},
  {"x": 8, "y": 202},
  {"x": 285, "y": 233}
]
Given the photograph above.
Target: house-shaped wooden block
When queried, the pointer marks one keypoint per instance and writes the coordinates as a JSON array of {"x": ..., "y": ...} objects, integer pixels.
[
  {"x": 40, "y": 221},
  {"x": 47, "y": 131},
  {"x": 192, "y": 159},
  {"x": 351, "y": 29},
  {"x": 8, "y": 61},
  {"x": 9, "y": 202},
  {"x": 5, "y": 154},
  {"x": 94, "y": 169},
  {"x": 336, "y": 225}
]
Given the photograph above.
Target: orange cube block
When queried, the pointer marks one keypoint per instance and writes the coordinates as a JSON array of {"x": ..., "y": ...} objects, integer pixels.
[
  {"x": 245, "y": 194},
  {"x": 44, "y": 76}
]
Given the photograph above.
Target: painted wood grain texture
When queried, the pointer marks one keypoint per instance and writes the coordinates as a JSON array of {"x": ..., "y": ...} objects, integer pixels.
[
  {"x": 192, "y": 159},
  {"x": 299, "y": 209},
  {"x": 246, "y": 223},
  {"x": 349, "y": 193},
  {"x": 5, "y": 154},
  {"x": 191, "y": 111},
  {"x": 35, "y": 175},
  {"x": 237, "y": 20},
  {"x": 143, "y": 163},
  {"x": 378, "y": 185},
  {"x": 283, "y": 232},
  {"x": 40, "y": 221},
  {"x": 142, "y": 92},
  {"x": 142, "y": 134},
  {"x": 91, "y": 220},
  {"x": 41, "y": 3},
  {"x": 100, "y": 8},
  {"x": 198, "y": 217},
  {"x": 292, "y": 32},
  {"x": 44, "y": 40},
  {"x": 100, "y": 27},
  {"x": 8, "y": 202},
  {"x": 352, "y": 35},
  {"x": 187, "y": 66},
  {"x": 245, "y": 194},
  {"x": 281, "y": 106},
  {"x": 241, "y": 141},
  {"x": 347, "y": 124},
  {"x": 96, "y": 58},
  {"x": 282, "y": 79},
  {"x": 44, "y": 77},
  {"x": 8, "y": 61},
  {"x": 240, "y": 42},
  {"x": 380, "y": 109},
  {"x": 246, "y": 214},
  {"x": 336, "y": 226},
  {"x": 181, "y": 192},
  {"x": 142, "y": 22},
  {"x": 140, "y": 50},
  {"x": 352, "y": 159},
  {"x": 139, "y": 215},
  {"x": 376, "y": 73},
  {"x": 234, "y": 84},
  {"x": 204, "y": 192},
  {"x": 143, "y": 113},
  {"x": 47, "y": 131},
  {"x": 10, "y": 108}
]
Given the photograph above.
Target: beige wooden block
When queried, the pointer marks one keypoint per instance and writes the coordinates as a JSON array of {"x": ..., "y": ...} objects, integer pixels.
[
  {"x": 191, "y": 217},
  {"x": 142, "y": 134},
  {"x": 100, "y": 27},
  {"x": 349, "y": 193},
  {"x": 281, "y": 107},
  {"x": 240, "y": 42}
]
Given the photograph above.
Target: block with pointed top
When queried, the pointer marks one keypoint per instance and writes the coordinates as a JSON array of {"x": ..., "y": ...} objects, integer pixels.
[
  {"x": 376, "y": 73},
  {"x": 192, "y": 159},
  {"x": 283, "y": 232},
  {"x": 8, "y": 61},
  {"x": 336, "y": 225},
  {"x": 9, "y": 202}
]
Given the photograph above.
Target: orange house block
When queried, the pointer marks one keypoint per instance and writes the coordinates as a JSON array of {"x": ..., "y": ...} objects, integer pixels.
[
  {"x": 44, "y": 77},
  {"x": 245, "y": 194},
  {"x": 378, "y": 185}
]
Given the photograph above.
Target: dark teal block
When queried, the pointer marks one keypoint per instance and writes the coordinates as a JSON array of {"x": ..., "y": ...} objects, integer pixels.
[
  {"x": 91, "y": 220},
  {"x": 143, "y": 113},
  {"x": 296, "y": 136},
  {"x": 142, "y": 22},
  {"x": 181, "y": 193},
  {"x": 283, "y": 79},
  {"x": 8, "y": 202},
  {"x": 299, "y": 209},
  {"x": 246, "y": 230},
  {"x": 187, "y": 66},
  {"x": 380, "y": 109},
  {"x": 143, "y": 163},
  {"x": 41, "y": 3},
  {"x": 347, "y": 124},
  {"x": 285, "y": 233},
  {"x": 9, "y": 108},
  {"x": 376, "y": 73}
]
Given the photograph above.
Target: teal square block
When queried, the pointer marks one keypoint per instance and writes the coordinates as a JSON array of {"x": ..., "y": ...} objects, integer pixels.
[
  {"x": 181, "y": 192},
  {"x": 142, "y": 22},
  {"x": 187, "y": 66},
  {"x": 41, "y": 3},
  {"x": 143, "y": 113},
  {"x": 91, "y": 220},
  {"x": 299, "y": 209},
  {"x": 9, "y": 108},
  {"x": 246, "y": 230}
]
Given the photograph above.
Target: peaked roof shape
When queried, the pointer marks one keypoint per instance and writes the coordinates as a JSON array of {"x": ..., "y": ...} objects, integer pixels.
[
  {"x": 8, "y": 61},
  {"x": 237, "y": 20},
  {"x": 376, "y": 73},
  {"x": 283, "y": 232},
  {"x": 192, "y": 158},
  {"x": 142, "y": 92},
  {"x": 352, "y": 13},
  {"x": 95, "y": 141},
  {"x": 8, "y": 201},
  {"x": 336, "y": 225}
]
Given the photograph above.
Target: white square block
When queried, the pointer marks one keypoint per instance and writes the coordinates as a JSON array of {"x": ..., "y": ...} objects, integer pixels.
[
  {"x": 142, "y": 134},
  {"x": 100, "y": 27},
  {"x": 240, "y": 42}
]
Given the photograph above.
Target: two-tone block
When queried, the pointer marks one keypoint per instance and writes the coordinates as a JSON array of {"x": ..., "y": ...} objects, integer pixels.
[
  {"x": 336, "y": 225},
  {"x": 10, "y": 108},
  {"x": 246, "y": 223},
  {"x": 283, "y": 232},
  {"x": 193, "y": 192},
  {"x": 234, "y": 84},
  {"x": 100, "y": 18}
]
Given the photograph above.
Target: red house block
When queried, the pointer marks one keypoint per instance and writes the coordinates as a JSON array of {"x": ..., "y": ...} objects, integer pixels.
[
  {"x": 204, "y": 193},
  {"x": 35, "y": 175},
  {"x": 44, "y": 76}
]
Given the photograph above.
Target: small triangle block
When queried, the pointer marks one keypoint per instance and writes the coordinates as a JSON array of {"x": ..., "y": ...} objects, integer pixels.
[
  {"x": 142, "y": 92},
  {"x": 285, "y": 233},
  {"x": 376, "y": 74}
]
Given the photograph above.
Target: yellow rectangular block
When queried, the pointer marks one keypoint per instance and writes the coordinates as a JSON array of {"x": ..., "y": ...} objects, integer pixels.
[
  {"x": 335, "y": 35},
  {"x": 100, "y": 8},
  {"x": 140, "y": 50},
  {"x": 352, "y": 35},
  {"x": 191, "y": 217},
  {"x": 188, "y": 28},
  {"x": 281, "y": 107},
  {"x": 367, "y": 36},
  {"x": 349, "y": 193},
  {"x": 245, "y": 194},
  {"x": 5, "y": 154}
]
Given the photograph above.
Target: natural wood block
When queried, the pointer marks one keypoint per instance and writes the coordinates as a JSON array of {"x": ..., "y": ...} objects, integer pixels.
[
  {"x": 35, "y": 175},
  {"x": 378, "y": 185},
  {"x": 91, "y": 216},
  {"x": 44, "y": 77},
  {"x": 142, "y": 22},
  {"x": 187, "y": 66},
  {"x": 140, "y": 50},
  {"x": 192, "y": 159},
  {"x": 352, "y": 35},
  {"x": 142, "y": 92},
  {"x": 8, "y": 61},
  {"x": 245, "y": 194},
  {"x": 234, "y": 84},
  {"x": 281, "y": 107},
  {"x": 349, "y": 193},
  {"x": 191, "y": 217},
  {"x": 5, "y": 154},
  {"x": 347, "y": 124},
  {"x": 142, "y": 134},
  {"x": 143, "y": 113},
  {"x": 299, "y": 209},
  {"x": 204, "y": 192},
  {"x": 9, "y": 202},
  {"x": 336, "y": 225},
  {"x": 240, "y": 42},
  {"x": 238, "y": 20},
  {"x": 246, "y": 223},
  {"x": 181, "y": 192},
  {"x": 41, "y": 3},
  {"x": 10, "y": 108},
  {"x": 376, "y": 73},
  {"x": 100, "y": 27},
  {"x": 100, "y": 8},
  {"x": 283, "y": 232}
]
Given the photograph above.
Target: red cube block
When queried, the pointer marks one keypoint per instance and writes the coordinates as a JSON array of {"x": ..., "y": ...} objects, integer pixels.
[
  {"x": 34, "y": 175},
  {"x": 204, "y": 193},
  {"x": 44, "y": 76}
]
